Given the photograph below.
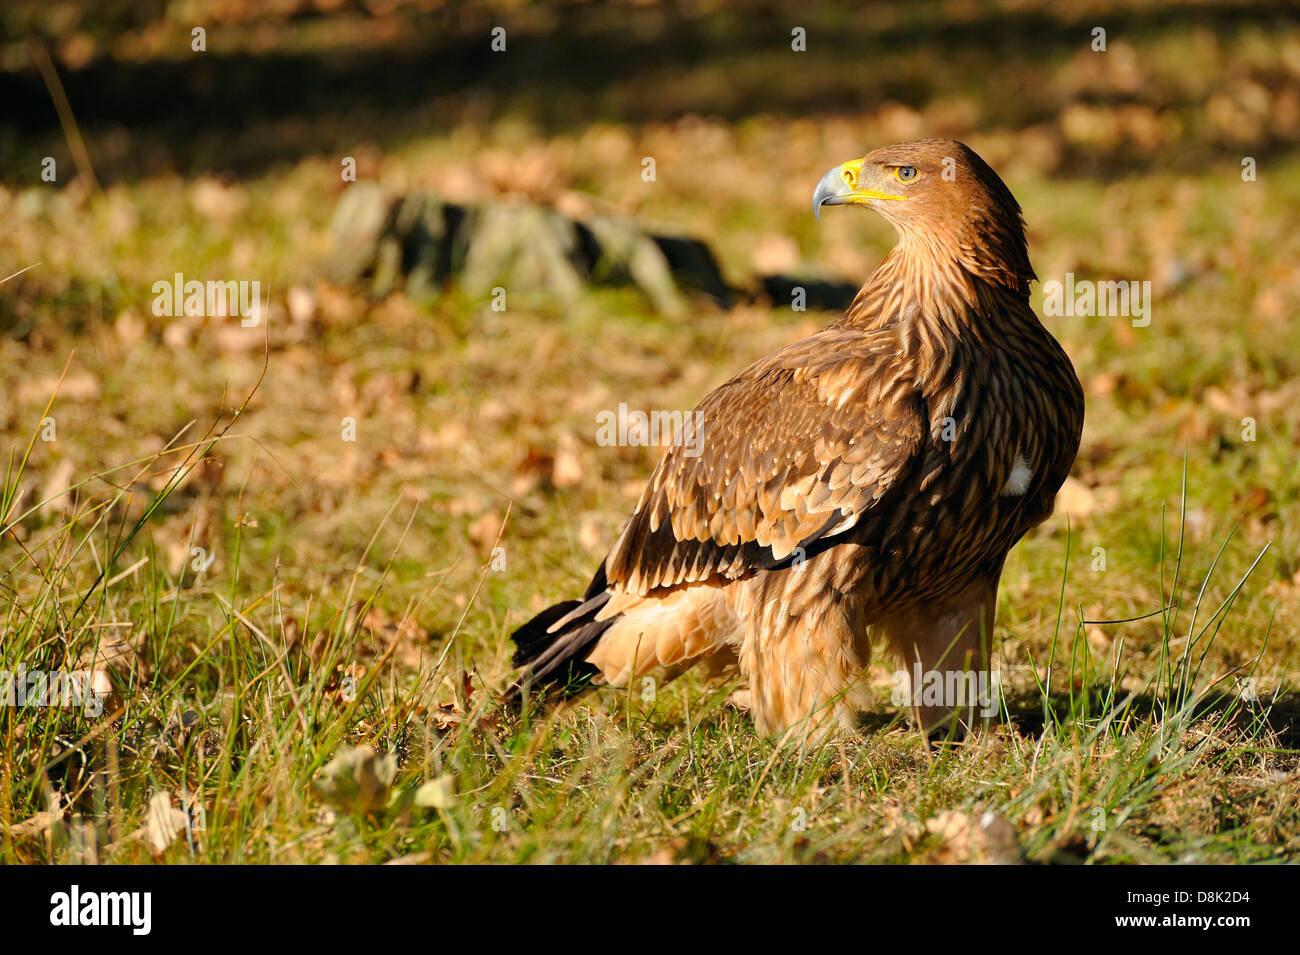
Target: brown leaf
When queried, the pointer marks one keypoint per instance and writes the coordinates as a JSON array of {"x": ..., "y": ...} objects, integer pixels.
[
  {"x": 1252, "y": 499},
  {"x": 217, "y": 201},
  {"x": 35, "y": 825},
  {"x": 53, "y": 492},
  {"x": 164, "y": 822},
  {"x": 1075, "y": 498},
  {"x": 775, "y": 253},
  {"x": 111, "y": 653},
  {"x": 589, "y": 535},
  {"x": 984, "y": 837},
  {"x": 410, "y": 637},
  {"x": 357, "y": 780},
  {"x": 437, "y": 793},
  {"x": 567, "y": 471},
  {"x": 486, "y": 530},
  {"x": 301, "y": 302}
]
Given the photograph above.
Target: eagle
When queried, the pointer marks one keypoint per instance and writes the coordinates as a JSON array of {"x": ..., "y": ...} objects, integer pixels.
[{"x": 863, "y": 483}]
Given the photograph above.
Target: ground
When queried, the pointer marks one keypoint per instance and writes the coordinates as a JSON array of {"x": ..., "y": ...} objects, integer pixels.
[{"x": 351, "y": 592}]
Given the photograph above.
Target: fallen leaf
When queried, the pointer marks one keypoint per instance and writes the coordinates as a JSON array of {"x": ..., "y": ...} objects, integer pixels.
[
  {"x": 357, "y": 780},
  {"x": 1075, "y": 498},
  {"x": 446, "y": 717},
  {"x": 110, "y": 654},
  {"x": 415, "y": 858},
  {"x": 567, "y": 470},
  {"x": 775, "y": 253},
  {"x": 589, "y": 535},
  {"x": 56, "y": 488},
  {"x": 486, "y": 529},
  {"x": 216, "y": 200},
  {"x": 164, "y": 822},
  {"x": 437, "y": 793},
  {"x": 1253, "y": 498},
  {"x": 35, "y": 825},
  {"x": 984, "y": 837},
  {"x": 301, "y": 302}
]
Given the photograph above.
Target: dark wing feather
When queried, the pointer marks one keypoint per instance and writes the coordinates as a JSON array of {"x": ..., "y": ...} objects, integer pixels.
[{"x": 794, "y": 452}]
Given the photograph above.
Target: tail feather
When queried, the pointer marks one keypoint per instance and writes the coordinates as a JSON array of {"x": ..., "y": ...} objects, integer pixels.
[
  {"x": 612, "y": 637},
  {"x": 553, "y": 645}
]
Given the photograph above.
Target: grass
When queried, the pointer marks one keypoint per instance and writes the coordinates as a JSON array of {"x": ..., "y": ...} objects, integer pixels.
[
  {"x": 343, "y": 593},
  {"x": 237, "y": 712}
]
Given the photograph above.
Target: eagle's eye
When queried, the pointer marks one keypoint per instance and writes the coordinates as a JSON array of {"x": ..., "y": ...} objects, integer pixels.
[{"x": 905, "y": 173}]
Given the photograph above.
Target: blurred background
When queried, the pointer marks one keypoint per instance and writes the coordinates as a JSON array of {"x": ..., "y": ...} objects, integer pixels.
[{"x": 221, "y": 154}]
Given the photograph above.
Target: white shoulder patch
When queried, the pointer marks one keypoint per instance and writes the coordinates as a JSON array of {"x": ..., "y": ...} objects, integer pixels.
[{"x": 1018, "y": 479}]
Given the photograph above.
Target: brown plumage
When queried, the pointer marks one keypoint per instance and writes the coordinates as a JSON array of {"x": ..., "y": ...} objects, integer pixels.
[{"x": 869, "y": 478}]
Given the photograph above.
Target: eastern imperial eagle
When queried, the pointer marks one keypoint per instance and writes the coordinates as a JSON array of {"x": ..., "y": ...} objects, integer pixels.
[{"x": 868, "y": 479}]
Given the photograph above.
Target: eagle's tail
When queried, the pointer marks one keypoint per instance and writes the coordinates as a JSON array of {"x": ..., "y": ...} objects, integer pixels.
[{"x": 553, "y": 645}]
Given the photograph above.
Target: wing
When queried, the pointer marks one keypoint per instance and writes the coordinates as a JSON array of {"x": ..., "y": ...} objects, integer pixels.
[{"x": 792, "y": 453}]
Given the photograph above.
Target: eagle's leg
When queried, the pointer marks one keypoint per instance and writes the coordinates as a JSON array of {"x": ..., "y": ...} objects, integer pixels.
[
  {"x": 804, "y": 654},
  {"x": 943, "y": 648}
]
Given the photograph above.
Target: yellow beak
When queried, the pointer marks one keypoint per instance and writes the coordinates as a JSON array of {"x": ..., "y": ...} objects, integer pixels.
[{"x": 839, "y": 187}]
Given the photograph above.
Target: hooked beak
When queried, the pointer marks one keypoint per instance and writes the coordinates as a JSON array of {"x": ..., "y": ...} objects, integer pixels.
[{"x": 839, "y": 187}]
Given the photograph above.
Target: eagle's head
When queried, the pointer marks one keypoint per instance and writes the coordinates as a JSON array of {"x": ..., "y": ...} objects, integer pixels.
[{"x": 944, "y": 200}]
